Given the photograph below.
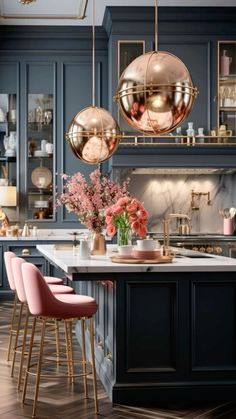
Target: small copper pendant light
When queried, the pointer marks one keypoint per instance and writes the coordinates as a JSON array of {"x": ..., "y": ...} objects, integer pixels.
[
  {"x": 155, "y": 93},
  {"x": 93, "y": 134}
]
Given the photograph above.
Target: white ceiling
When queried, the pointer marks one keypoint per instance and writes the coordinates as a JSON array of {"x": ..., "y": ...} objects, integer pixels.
[{"x": 71, "y": 8}]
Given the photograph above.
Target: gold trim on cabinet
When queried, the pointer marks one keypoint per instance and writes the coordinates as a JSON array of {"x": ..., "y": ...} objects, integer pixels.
[{"x": 47, "y": 17}]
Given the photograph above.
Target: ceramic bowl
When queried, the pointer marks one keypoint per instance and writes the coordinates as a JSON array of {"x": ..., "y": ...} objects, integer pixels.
[
  {"x": 146, "y": 244},
  {"x": 125, "y": 250}
]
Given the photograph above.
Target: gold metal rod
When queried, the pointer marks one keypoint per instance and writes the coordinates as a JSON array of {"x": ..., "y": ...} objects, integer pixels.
[
  {"x": 46, "y": 17},
  {"x": 156, "y": 22},
  {"x": 93, "y": 54}
]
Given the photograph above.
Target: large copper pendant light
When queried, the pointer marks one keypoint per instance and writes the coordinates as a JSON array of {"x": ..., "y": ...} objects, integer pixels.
[
  {"x": 93, "y": 134},
  {"x": 155, "y": 93}
]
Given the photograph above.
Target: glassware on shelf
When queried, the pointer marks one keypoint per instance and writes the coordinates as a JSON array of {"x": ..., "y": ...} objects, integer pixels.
[
  {"x": 225, "y": 62},
  {"x": 10, "y": 144}
]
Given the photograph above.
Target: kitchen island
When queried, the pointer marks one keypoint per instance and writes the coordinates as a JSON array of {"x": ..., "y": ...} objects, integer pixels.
[{"x": 163, "y": 331}]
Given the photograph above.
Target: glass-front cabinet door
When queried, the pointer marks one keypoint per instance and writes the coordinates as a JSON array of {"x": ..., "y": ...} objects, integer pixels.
[
  {"x": 40, "y": 156},
  {"x": 227, "y": 90},
  {"x": 8, "y": 139}
]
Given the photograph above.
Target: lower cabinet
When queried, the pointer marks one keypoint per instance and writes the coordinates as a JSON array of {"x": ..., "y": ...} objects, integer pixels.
[{"x": 164, "y": 336}]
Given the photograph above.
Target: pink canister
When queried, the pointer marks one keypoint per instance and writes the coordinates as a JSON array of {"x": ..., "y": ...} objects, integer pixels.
[{"x": 228, "y": 226}]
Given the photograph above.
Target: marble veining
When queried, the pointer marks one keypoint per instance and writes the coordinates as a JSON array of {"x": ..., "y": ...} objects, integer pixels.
[{"x": 165, "y": 194}]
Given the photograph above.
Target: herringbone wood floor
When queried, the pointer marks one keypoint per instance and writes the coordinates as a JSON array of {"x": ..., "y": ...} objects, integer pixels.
[{"x": 57, "y": 401}]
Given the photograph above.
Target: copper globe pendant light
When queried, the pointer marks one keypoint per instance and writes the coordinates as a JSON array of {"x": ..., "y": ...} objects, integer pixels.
[
  {"x": 155, "y": 93},
  {"x": 93, "y": 134}
]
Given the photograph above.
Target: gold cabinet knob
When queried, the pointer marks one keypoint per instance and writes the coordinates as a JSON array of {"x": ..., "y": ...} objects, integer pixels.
[
  {"x": 209, "y": 249},
  {"x": 25, "y": 252}
]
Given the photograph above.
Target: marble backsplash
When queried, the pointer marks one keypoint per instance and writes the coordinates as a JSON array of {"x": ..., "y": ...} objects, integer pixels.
[{"x": 165, "y": 194}]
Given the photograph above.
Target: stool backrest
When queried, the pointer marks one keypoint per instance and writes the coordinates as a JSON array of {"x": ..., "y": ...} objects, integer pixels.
[
  {"x": 16, "y": 264},
  {"x": 40, "y": 298},
  {"x": 8, "y": 256}
]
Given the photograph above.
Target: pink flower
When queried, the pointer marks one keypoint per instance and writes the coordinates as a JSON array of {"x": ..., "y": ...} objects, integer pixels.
[
  {"x": 135, "y": 226},
  {"x": 143, "y": 214},
  {"x": 91, "y": 200},
  {"x": 108, "y": 212},
  {"x": 131, "y": 207},
  {"x": 108, "y": 219},
  {"x": 111, "y": 230},
  {"x": 142, "y": 232},
  {"x": 123, "y": 201},
  {"x": 133, "y": 217},
  {"x": 117, "y": 209}
]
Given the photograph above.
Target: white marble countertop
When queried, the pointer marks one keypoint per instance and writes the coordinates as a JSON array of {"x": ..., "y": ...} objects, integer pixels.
[
  {"x": 48, "y": 235},
  {"x": 64, "y": 259}
]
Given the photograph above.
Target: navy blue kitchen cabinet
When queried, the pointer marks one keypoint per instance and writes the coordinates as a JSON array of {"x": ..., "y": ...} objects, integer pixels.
[
  {"x": 172, "y": 337},
  {"x": 57, "y": 63}
]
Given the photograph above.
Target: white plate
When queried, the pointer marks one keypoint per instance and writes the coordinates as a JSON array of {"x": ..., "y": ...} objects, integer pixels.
[
  {"x": 41, "y": 177},
  {"x": 40, "y": 153}
]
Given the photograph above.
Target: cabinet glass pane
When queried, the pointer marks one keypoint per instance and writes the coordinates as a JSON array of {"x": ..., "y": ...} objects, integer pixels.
[
  {"x": 227, "y": 90},
  {"x": 40, "y": 156},
  {"x": 8, "y": 139}
]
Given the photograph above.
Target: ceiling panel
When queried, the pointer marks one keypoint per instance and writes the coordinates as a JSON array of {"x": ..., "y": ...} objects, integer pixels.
[{"x": 69, "y": 8}]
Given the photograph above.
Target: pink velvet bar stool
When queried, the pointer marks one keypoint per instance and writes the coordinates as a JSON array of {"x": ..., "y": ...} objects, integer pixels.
[
  {"x": 15, "y": 271},
  {"x": 16, "y": 322},
  {"x": 44, "y": 306}
]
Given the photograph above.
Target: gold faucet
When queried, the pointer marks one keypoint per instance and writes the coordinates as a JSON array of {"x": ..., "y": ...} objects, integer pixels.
[
  {"x": 183, "y": 228},
  {"x": 198, "y": 195}
]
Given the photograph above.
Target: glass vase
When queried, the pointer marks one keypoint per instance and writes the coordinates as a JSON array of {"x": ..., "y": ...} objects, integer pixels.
[{"x": 124, "y": 236}]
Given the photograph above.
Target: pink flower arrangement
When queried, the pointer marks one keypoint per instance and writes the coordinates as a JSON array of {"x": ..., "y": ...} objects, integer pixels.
[
  {"x": 89, "y": 199},
  {"x": 126, "y": 215}
]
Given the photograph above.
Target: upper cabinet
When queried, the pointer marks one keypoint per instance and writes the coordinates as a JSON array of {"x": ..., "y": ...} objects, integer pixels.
[
  {"x": 40, "y": 156},
  {"x": 227, "y": 88}
]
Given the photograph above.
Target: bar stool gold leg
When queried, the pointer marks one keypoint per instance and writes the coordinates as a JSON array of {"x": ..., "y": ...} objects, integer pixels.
[
  {"x": 71, "y": 350},
  {"x": 16, "y": 339},
  {"x": 29, "y": 358},
  {"x": 93, "y": 365},
  {"x": 40, "y": 358},
  {"x": 13, "y": 316},
  {"x": 57, "y": 342},
  {"x": 23, "y": 348},
  {"x": 67, "y": 340},
  {"x": 84, "y": 359}
]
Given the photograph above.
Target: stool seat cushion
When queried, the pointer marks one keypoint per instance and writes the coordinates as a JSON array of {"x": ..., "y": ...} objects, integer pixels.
[
  {"x": 53, "y": 280},
  {"x": 42, "y": 302},
  {"x": 61, "y": 289}
]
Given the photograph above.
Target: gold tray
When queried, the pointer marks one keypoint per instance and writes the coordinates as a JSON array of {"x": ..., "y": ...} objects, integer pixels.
[
  {"x": 63, "y": 246},
  {"x": 162, "y": 259}
]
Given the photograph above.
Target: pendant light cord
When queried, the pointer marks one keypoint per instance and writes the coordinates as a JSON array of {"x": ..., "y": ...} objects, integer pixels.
[
  {"x": 156, "y": 21},
  {"x": 93, "y": 54}
]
